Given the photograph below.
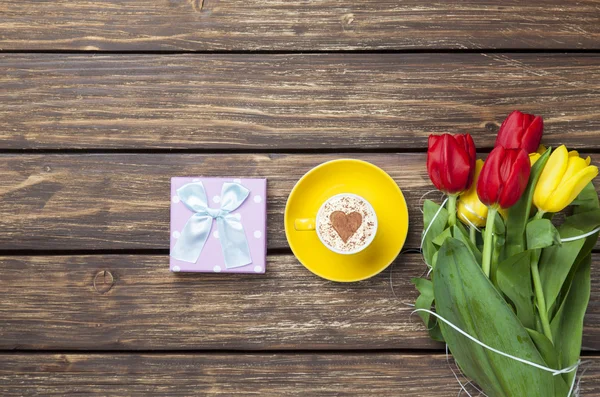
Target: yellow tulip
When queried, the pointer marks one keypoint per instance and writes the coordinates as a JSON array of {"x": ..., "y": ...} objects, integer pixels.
[
  {"x": 562, "y": 179},
  {"x": 470, "y": 209},
  {"x": 541, "y": 150},
  {"x": 534, "y": 157}
]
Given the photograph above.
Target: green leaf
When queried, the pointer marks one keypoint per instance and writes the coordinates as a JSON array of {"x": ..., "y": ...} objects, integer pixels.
[
  {"x": 587, "y": 220},
  {"x": 587, "y": 199},
  {"x": 518, "y": 215},
  {"x": 590, "y": 243},
  {"x": 557, "y": 260},
  {"x": 541, "y": 233},
  {"x": 435, "y": 332},
  {"x": 466, "y": 298},
  {"x": 545, "y": 347},
  {"x": 461, "y": 235},
  {"x": 498, "y": 240},
  {"x": 439, "y": 240},
  {"x": 567, "y": 326},
  {"x": 461, "y": 227},
  {"x": 499, "y": 227},
  {"x": 425, "y": 301},
  {"x": 514, "y": 280},
  {"x": 548, "y": 352},
  {"x": 437, "y": 226},
  {"x": 434, "y": 259}
]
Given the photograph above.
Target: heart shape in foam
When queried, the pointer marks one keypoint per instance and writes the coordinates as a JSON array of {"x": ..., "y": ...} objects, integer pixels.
[{"x": 345, "y": 224}]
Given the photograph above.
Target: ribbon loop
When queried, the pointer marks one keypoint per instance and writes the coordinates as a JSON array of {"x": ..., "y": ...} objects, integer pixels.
[
  {"x": 232, "y": 196},
  {"x": 193, "y": 196},
  {"x": 196, "y": 231}
]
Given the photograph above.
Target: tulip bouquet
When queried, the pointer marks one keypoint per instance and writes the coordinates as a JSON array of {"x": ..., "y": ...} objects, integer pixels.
[{"x": 509, "y": 281}]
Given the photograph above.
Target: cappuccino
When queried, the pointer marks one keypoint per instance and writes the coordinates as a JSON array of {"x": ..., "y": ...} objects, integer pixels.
[{"x": 346, "y": 223}]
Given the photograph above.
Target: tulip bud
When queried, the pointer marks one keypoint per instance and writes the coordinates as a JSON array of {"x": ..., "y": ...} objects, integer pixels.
[
  {"x": 451, "y": 162},
  {"x": 541, "y": 149},
  {"x": 534, "y": 157},
  {"x": 521, "y": 130},
  {"x": 470, "y": 209},
  {"x": 504, "y": 177},
  {"x": 563, "y": 178}
]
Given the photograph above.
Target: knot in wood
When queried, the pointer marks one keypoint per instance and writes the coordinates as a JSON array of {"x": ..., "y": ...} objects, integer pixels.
[
  {"x": 103, "y": 281},
  {"x": 197, "y": 5},
  {"x": 347, "y": 20},
  {"x": 492, "y": 127}
]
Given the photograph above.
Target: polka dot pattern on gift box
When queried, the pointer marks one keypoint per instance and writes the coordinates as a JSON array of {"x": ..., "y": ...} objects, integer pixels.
[{"x": 250, "y": 215}]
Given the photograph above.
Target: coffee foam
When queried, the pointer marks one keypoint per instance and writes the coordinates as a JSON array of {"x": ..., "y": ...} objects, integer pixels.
[{"x": 346, "y": 204}]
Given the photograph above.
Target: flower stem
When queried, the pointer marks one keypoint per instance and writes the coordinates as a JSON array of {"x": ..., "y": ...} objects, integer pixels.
[
  {"x": 495, "y": 259},
  {"x": 451, "y": 207},
  {"x": 537, "y": 286},
  {"x": 473, "y": 235},
  {"x": 539, "y": 214},
  {"x": 539, "y": 294},
  {"x": 488, "y": 243}
]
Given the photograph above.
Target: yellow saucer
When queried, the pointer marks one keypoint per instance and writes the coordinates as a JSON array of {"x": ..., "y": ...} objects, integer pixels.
[{"x": 365, "y": 180}]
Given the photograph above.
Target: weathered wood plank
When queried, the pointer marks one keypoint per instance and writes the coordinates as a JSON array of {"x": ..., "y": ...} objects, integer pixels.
[
  {"x": 322, "y": 101},
  {"x": 50, "y": 302},
  {"x": 310, "y": 374},
  {"x": 121, "y": 201},
  {"x": 299, "y": 25}
]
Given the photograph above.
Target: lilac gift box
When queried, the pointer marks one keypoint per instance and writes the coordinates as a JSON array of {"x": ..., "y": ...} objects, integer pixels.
[{"x": 251, "y": 213}]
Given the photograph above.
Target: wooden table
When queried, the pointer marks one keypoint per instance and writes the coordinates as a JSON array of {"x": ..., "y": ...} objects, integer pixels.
[{"x": 102, "y": 102}]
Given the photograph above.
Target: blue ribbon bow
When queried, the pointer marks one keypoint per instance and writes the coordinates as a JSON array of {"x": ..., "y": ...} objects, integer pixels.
[{"x": 197, "y": 229}]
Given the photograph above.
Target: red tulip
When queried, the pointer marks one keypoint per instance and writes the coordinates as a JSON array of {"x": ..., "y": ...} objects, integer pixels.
[
  {"x": 504, "y": 177},
  {"x": 521, "y": 130},
  {"x": 451, "y": 162}
]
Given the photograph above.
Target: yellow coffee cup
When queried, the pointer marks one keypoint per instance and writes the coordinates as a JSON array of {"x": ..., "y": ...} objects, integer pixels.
[{"x": 332, "y": 235}]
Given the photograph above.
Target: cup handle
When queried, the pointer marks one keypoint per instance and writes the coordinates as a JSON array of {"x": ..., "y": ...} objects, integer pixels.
[{"x": 305, "y": 224}]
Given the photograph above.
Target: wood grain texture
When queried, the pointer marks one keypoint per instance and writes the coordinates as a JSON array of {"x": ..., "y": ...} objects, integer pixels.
[
  {"x": 297, "y": 25},
  {"x": 51, "y": 303},
  {"x": 128, "y": 302},
  {"x": 276, "y": 102},
  {"x": 310, "y": 374},
  {"x": 121, "y": 201}
]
